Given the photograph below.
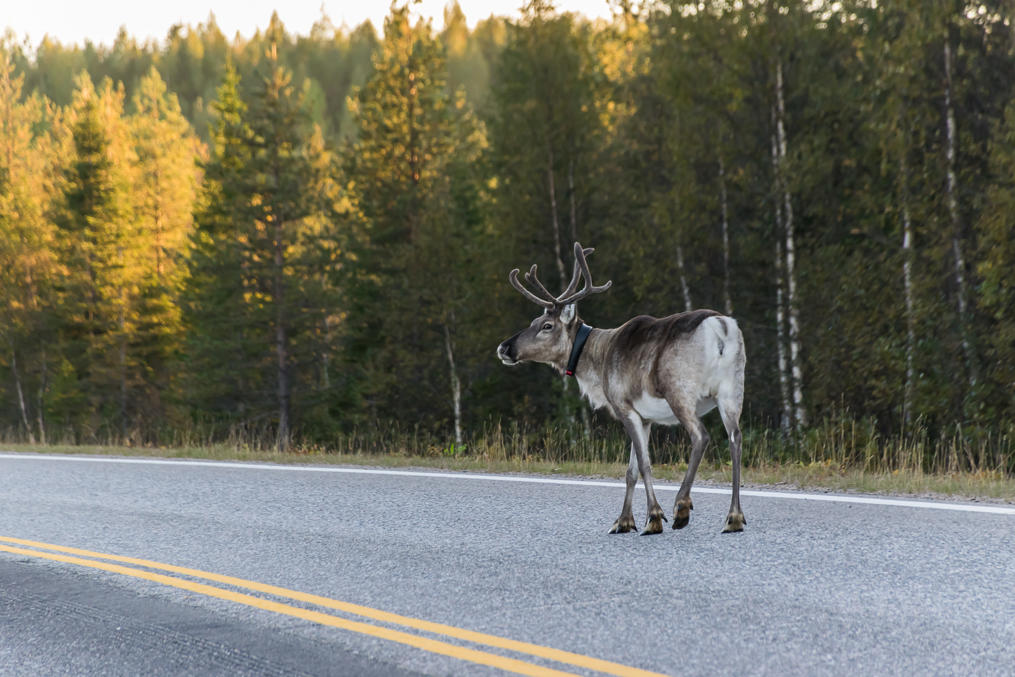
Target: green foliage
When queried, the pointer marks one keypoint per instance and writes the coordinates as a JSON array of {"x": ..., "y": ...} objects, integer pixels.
[
  {"x": 997, "y": 265},
  {"x": 258, "y": 286},
  {"x": 413, "y": 279},
  {"x": 299, "y": 237},
  {"x": 98, "y": 249}
]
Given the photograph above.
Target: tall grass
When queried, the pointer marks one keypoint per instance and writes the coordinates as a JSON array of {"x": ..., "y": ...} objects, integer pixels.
[{"x": 842, "y": 442}]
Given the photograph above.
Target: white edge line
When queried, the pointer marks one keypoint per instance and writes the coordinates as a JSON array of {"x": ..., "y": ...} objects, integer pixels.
[{"x": 755, "y": 493}]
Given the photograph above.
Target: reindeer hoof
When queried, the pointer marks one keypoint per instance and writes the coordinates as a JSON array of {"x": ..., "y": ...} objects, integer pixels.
[
  {"x": 734, "y": 522},
  {"x": 623, "y": 525},
  {"x": 682, "y": 514},
  {"x": 654, "y": 525}
]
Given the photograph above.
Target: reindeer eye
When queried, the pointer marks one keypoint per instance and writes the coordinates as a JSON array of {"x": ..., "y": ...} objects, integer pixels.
[{"x": 547, "y": 326}]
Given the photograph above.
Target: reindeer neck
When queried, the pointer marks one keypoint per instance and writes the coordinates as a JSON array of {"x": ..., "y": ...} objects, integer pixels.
[{"x": 577, "y": 347}]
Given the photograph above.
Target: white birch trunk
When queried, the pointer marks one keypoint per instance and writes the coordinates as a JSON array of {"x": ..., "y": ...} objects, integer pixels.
[
  {"x": 786, "y": 417},
  {"x": 953, "y": 210},
  {"x": 682, "y": 271},
  {"x": 786, "y": 420},
  {"x": 551, "y": 185},
  {"x": 586, "y": 422},
  {"x": 456, "y": 386},
  {"x": 724, "y": 210},
  {"x": 21, "y": 396},
  {"x": 791, "y": 295},
  {"x": 907, "y": 283},
  {"x": 41, "y": 401}
]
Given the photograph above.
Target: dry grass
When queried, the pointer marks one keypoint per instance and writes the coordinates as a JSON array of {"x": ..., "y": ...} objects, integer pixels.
[{"x": 816, "y": 475}]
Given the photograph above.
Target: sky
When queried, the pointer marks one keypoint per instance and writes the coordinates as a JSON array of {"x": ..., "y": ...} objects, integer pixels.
[{"x": 74, "y": 21}]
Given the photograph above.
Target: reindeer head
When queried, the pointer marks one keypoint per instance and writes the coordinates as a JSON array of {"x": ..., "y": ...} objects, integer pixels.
[{"x": 548, "y": 339}]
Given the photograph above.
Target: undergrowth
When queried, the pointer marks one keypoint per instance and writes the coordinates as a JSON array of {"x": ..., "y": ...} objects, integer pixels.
[{"x": 845, "y": 455}]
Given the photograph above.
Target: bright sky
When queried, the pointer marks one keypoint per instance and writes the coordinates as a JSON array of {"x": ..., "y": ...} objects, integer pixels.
[{"x": 74, "y": 21}]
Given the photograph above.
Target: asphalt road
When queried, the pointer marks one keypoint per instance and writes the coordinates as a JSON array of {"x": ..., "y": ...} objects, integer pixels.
[{"x": 811, "y": 587}]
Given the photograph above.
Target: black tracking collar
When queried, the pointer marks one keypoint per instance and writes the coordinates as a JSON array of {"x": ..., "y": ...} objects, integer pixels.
[{"x": 576, "y": 349}]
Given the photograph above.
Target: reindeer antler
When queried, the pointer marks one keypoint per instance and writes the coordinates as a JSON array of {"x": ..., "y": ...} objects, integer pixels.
[
  {"x": 513, "y": 277},
  {"x": 569, "y": 295}
]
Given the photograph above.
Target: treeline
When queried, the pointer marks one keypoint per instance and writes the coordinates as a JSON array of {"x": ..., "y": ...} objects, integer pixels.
[{"x": 297, "y": 237}]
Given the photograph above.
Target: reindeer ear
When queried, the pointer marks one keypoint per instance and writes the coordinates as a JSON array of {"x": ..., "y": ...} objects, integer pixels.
[{"x": 568, "y": 313}]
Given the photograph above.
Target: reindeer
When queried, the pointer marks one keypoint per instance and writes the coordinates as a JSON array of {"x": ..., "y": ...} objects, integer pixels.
[{"x": 666, "y": 371}]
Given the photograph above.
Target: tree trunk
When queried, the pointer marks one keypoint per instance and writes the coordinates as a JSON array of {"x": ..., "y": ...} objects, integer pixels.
[
  {"x": 21, "y": 396},
  {"x": 281, "y": 341},
  {"x": 724, "y": 210},
  {"x": 123, "y": 380},
  {"x": 953, "y": 210},
  {"x": 415, "y": 156},
  {"x": 551, "y": 185},
  {"x": 571, "y": 198},
  {"x": 682, "y": 272},
  {"x": 786, "y": 408},
  {"x": 586, "y": 422},
  {"x": 907, "y": 282},
  {"x": 122, "y": 326},
  {"x": 786, "y": 418},
  {"x": 790, "y": 260},
  {"x": 325, "y": 358},
  {"x": 456, "y": 385},
  {"x": 41, "y": 400}
]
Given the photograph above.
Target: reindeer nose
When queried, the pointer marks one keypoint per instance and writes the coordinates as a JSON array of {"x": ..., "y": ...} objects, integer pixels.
[{"x": 506, "y": 352}]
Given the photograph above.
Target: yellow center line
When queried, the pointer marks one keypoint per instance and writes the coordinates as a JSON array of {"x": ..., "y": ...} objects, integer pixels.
[
  {"x": 434, "y": 646},
  {"x": 558, "y": 655}
]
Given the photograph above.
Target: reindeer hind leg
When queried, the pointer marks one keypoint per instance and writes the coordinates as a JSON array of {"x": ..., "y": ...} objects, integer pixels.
[
  {"x": 731, "y": 399},
  {"x": 729, "y": 410},
  {"x": 682, "y": 505}
]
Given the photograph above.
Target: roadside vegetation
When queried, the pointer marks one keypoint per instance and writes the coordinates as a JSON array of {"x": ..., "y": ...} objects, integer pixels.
[{"x": 842, "y": 458}]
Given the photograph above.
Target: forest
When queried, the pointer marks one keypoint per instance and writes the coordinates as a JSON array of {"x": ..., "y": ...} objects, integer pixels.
[{"x": 295, "y": 240}]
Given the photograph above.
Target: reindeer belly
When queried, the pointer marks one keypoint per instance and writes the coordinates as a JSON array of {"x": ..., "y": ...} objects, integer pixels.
[{"x": 657, "y": 410}]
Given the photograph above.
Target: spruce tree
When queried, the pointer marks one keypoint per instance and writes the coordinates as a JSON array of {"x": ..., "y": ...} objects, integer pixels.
[
  {"x": 98, "y": 248},
  {"x": 413, "y": 172},
  {"x": 164, "y": 192},
  {"x": 256, "y": 299},
  {"x": 220, "y": 358}
]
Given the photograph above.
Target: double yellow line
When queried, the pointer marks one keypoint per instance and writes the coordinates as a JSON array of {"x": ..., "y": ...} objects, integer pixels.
[{"x": 105, "y": 562}]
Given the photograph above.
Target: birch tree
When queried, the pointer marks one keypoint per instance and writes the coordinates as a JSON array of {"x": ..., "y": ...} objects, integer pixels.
[{"x": 786, "y": 265}]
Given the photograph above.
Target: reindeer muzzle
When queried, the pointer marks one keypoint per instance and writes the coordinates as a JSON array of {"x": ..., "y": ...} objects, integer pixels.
[{"x": 507, "y": 353}]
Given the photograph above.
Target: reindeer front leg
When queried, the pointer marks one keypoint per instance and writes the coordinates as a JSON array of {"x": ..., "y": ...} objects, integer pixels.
[
  {"x": 638, "y": 431},
  {"x": 625, "y": 522}
]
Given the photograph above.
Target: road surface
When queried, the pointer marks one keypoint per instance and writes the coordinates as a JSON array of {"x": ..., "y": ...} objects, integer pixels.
[{"x": 133, "y": 566}]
